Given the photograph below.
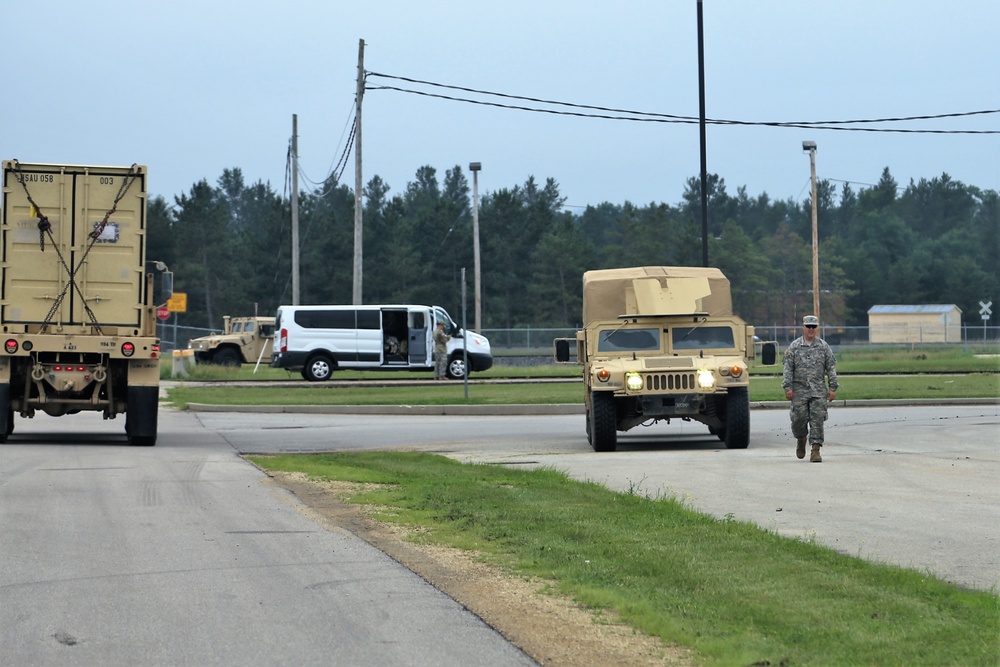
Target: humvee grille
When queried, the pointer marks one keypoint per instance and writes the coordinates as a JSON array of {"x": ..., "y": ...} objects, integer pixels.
[{"x": 669, "y": 381}]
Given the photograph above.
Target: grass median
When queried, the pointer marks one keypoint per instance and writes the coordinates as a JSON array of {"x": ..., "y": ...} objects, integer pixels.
[
  {"x": 762, "y": 388},
  {"x": 735, "y": 593}
]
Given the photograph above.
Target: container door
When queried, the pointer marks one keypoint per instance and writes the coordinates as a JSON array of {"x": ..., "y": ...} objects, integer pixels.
[{"x": 96, "y": 218}]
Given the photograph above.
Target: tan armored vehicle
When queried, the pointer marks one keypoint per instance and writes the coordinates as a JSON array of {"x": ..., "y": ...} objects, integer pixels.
[
  {"x": 662, "y": 343},
  {"x": 244, "y": 340},
  {"x": 77, "y": 312}
]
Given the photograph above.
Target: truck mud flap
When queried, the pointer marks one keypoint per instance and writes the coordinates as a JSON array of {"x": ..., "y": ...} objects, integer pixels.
[
  {"x": 140, "y": 417},
  {"x": 6, "y": 414}
]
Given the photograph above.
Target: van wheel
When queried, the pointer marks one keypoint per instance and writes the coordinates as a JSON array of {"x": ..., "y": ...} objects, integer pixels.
[
  {"x": 318, "y": 369},
  {"x": 456, "y": 368}
]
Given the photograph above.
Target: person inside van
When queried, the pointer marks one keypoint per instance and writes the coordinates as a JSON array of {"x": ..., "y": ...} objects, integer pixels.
[{"x": 440, "y": 352}]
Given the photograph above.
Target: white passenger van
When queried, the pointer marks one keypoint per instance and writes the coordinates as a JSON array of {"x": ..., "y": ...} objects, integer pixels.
[{"x": 317, "y": 340}]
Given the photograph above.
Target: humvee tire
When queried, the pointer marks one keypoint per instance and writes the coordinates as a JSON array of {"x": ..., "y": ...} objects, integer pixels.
[
  {"x": 737, "y": 418},
  {"x": 227, "y": 356},
  {"x": 603, "y": 428}
]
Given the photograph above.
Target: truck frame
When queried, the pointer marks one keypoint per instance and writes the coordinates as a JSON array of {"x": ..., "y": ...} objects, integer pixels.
[
  {"x": 77, "y": 315},
  {"x": 662, "y": 343}
]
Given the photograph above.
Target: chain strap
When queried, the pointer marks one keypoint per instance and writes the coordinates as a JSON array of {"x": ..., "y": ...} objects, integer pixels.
[{"x": 45, "y": 228}]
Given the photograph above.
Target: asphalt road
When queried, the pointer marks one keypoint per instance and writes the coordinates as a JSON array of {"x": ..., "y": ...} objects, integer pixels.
[{"x": 183, "y": 554}]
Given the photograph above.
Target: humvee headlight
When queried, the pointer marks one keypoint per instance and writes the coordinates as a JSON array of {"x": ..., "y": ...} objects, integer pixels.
[
  {"x": 633, "y": 381},
  {"x": 706, "y": 379},
  {"x": 604, "y": 375}
]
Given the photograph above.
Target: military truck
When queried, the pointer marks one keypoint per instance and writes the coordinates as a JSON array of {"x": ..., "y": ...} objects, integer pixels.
[
  {"x": 244, "y": 340},
  {"x": 77, "y": 310},
  {"x": 662, "y": 343}
]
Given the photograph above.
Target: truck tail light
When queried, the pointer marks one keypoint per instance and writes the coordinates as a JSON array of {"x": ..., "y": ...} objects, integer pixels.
[
  {"x": 283, "y": 341},
  {"x": 128, "y": 349},
  {"x": 156, "y": 351},
  {"x": 10, "y": 346}
]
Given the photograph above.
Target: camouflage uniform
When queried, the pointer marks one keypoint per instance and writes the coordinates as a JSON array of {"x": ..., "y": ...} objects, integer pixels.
[
  {"x": 807, "y": 368},
  {"x": 440, "y": 354}
]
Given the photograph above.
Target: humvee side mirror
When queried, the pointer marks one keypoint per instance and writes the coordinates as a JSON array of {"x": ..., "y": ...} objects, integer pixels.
[
  {"x": 562, "y": 350},
  {"x": 768, "y": 353}
]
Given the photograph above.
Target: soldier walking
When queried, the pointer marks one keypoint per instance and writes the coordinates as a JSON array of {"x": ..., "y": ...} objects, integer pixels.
[{"x": 810, "y": 382}]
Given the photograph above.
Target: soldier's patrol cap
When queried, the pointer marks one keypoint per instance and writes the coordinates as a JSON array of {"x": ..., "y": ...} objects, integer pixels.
[{"x": 810, "y": 321}]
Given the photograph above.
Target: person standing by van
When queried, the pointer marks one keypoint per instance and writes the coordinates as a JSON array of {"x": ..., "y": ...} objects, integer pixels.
[{"x": 440, "y": 352}]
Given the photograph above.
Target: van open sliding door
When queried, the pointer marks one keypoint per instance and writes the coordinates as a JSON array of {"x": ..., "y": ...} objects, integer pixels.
[{"x": 420, "y": 323}]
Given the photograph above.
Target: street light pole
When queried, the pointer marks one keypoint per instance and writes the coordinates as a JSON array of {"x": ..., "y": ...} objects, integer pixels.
[
  {"x": 811, "y": 147},
  {"x": 474, "y": 167}
]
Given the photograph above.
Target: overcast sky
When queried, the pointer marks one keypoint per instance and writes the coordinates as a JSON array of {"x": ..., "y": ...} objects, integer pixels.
[{"x": 192, "y": 88}]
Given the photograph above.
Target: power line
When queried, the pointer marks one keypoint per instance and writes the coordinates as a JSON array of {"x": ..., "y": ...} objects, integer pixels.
[{"x": 610, "y": 113}]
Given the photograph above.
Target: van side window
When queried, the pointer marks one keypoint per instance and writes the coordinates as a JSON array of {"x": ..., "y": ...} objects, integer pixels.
[
  {"x": 418, "y": 320},
  {"x": 325, "y": 319},
  {"x": 369, "y": 319}
]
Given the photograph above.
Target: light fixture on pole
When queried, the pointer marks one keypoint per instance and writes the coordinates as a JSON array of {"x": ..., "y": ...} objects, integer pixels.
[
  {"x": 810, "y": 146},
  {"x": 474, "y": 167}
]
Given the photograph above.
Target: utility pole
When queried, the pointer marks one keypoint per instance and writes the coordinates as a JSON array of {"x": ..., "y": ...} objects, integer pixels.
[
  {"x": 811, "y": 147},
  {"x": 474, "y": 167},
  {"x": 295, "y": 209},
  {"x": 701, "y": 127},
  {"x": 358, "y": 180}
]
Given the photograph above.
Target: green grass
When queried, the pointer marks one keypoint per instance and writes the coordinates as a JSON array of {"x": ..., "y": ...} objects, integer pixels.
[
  {"x": 767, "y": 388},
  {"x": 735, "y": 593},
  {"x": 930, "y": 359},
  {"x": 868, "y": 359}
]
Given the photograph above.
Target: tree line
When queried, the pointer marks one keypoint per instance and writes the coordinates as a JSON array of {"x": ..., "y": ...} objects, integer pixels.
[{"x": 229, "y": 246}]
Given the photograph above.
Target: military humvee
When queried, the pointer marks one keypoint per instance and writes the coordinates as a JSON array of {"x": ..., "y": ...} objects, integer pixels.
[
  {"x": 662, "y": 343},
  {"x": 244, "y": 340}
]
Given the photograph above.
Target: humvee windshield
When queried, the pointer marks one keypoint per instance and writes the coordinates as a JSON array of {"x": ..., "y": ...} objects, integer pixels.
[
  {"x": 702, "y": 338},
  {"x": 628, "y": 340}
]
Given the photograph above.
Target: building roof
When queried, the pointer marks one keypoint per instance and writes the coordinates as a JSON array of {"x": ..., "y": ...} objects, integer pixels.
[{"x": 913, "y": 310}]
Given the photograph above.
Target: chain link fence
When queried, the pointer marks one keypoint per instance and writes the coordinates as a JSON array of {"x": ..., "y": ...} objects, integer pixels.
[{"x": 538, "y": 341}]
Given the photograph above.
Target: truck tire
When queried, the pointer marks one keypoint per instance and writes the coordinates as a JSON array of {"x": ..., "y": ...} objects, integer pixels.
[
  {"x": 318, "y": 368},
  {"x": 738, "y": 418},
  {"x": 603, "y": 424},
  {"x": 141, "y": 415},
  {"x": 456, "y": 368},
  {"x": 227, "y": 356}
]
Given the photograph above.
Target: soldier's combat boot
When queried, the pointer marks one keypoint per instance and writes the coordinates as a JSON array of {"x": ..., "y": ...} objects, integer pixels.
[
  {"x": 800, "y": 448},
  {"x": 814, "y": 457}
]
